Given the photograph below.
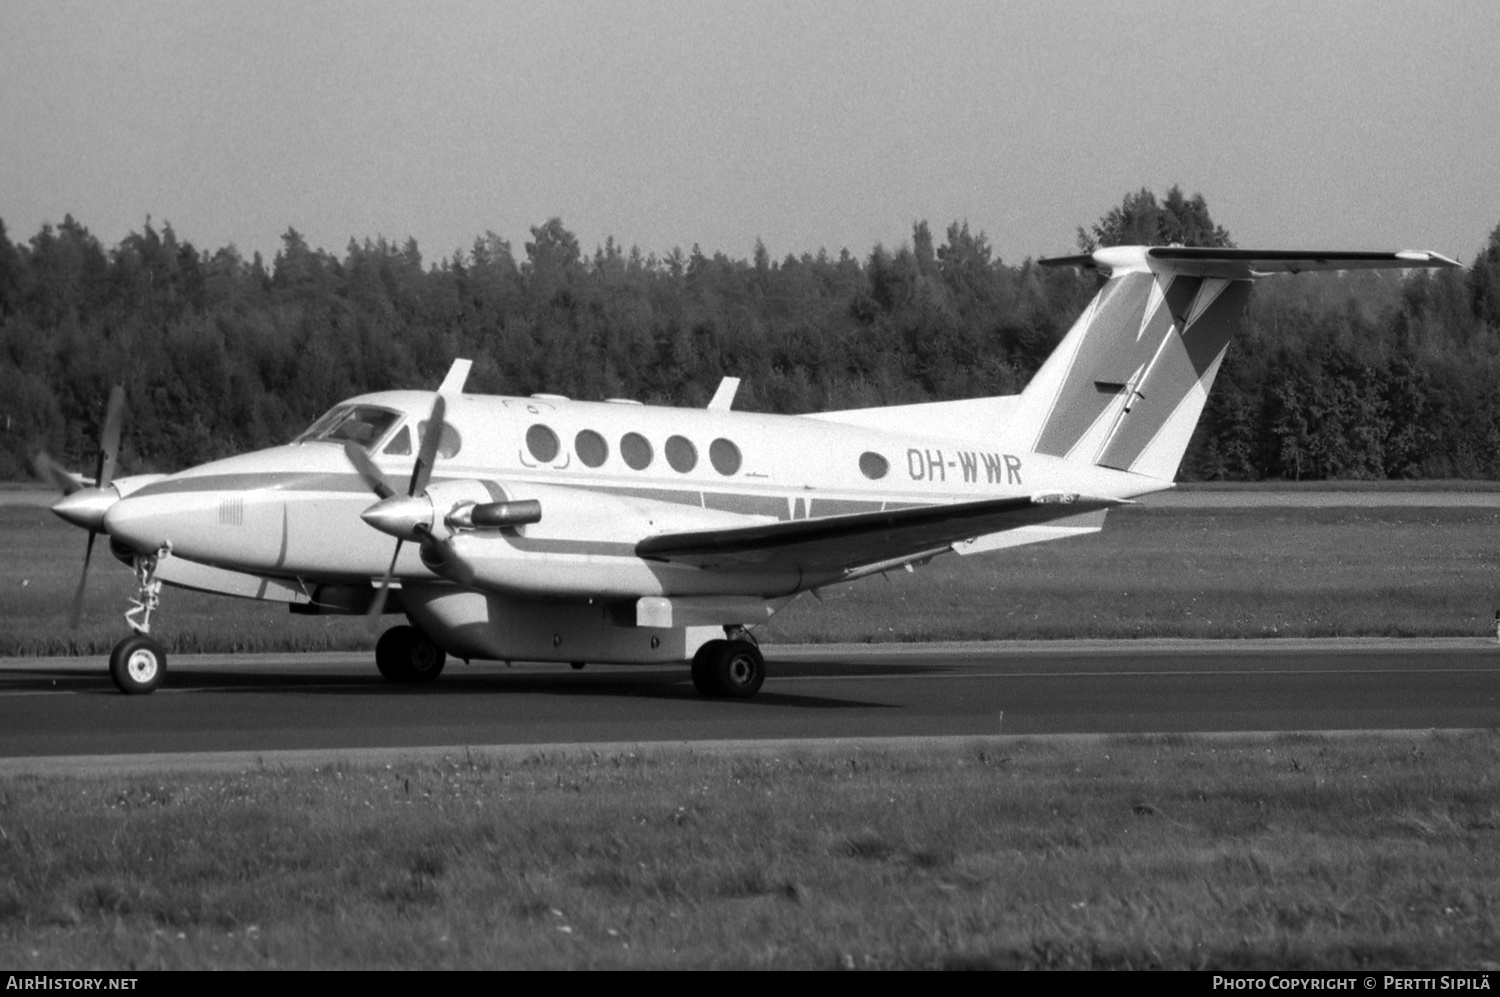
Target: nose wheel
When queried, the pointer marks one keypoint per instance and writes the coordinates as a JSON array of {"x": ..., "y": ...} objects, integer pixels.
[{"x": 137, "y": 665}]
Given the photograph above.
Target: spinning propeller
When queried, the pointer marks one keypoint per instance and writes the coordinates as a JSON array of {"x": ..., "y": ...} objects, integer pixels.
[
  {"x": 84, "y": 505},
  {"x": 66, "y": 481},
  {"x": 400, "y": 515},
  {"x": 412, "y": 516}
]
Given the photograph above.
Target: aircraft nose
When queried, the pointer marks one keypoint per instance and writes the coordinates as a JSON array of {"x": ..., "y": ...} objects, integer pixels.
[{"x": 87, "y": 507}]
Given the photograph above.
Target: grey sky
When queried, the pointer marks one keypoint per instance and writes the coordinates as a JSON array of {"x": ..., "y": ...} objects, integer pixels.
[{"x": 1338, "y": 125}]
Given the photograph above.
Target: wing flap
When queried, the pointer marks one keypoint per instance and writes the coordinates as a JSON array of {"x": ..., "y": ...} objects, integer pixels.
[{"x": 845, "y": 543}]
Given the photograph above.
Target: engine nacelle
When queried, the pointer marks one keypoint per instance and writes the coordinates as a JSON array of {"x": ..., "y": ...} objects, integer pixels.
[{"x": 449, "y": 506}]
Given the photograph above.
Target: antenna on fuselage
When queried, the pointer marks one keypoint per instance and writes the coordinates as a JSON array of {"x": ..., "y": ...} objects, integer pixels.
[
  {"x": 458, "y": 374},
  {"x": 724, "y": 397}
]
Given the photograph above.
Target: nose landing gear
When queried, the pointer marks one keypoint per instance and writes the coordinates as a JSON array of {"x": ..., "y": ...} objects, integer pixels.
[{"x": 138, "y": 663}]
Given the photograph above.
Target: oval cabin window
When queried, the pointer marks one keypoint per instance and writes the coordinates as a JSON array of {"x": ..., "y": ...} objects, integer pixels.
[
  {"x": 681, "y": 454},
  {"x": 636, "y": 450},
  {"x": 591, "y": 448},
  {"x": 543, "y": 443},
  {"x": 724, "y": 456},
  {"x": 873, "y": 466}
]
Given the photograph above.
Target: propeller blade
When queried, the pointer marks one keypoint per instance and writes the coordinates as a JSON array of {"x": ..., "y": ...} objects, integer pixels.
[
  {"x": 377, "y": 607},
  {"x": 109, "y": 436},
  {"x": 48, "y": 471},
  {"x": 83, "y": 579},
  {"x": 367, "y": 470},
  {"x": 421, "y": 472}
]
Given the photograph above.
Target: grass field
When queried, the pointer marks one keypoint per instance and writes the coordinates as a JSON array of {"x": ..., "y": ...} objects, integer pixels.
[
  {"x": 1128, "y": 852},
  {"x": 1194, "y": 573},
  {"x": 1295, "y": 851},
  {"x": 1391, "y": 485},
  {"x": 1151, "y": 573}
]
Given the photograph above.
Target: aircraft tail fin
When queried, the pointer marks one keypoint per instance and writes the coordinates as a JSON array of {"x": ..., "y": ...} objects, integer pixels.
[{"x": 1127, "y": 384}]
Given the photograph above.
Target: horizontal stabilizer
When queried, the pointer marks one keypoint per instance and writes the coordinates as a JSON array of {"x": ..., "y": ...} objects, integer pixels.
[{"x": 1241, "y": 264}]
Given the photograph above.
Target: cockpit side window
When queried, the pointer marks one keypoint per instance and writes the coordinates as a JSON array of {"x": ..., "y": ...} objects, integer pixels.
[
  {"x": 322, "y": 424},
  {"x": 400, "y": 445},
  {"x": 363, "y": 425}
]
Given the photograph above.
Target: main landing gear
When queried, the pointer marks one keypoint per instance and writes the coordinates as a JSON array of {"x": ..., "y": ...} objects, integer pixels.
[
  {"x": 732, "y": 668},
  {"x": 407, "y": 655},
  {"x": 138, "y": 664}
]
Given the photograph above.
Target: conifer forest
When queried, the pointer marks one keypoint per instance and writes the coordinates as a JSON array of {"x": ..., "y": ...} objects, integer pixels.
[{"x": 1365, "y": 375}]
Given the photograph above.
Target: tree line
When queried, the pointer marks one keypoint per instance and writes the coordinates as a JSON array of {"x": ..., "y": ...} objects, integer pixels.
[{"x": 1362, "y": 375}]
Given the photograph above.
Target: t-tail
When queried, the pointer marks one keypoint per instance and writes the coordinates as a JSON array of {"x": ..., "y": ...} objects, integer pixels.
[{"x": 1125, "y": 387}]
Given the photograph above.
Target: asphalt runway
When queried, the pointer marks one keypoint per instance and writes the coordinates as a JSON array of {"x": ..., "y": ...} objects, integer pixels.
[{"x": 276, "y": 703}]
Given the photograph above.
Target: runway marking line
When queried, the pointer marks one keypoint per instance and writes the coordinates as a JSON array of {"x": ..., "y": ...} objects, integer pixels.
[{"x": 1188, "y": 673}]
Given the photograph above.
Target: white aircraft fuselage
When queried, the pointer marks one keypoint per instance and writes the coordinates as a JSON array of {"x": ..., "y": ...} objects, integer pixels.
[{"x": 294, "y": 511}]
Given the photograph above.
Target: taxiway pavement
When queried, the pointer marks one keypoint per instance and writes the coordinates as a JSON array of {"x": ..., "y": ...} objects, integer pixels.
[{"x": 52, "y": 707}]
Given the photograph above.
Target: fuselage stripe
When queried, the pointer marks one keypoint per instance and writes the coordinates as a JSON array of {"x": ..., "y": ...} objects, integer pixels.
[{"x": 775, "y": 506}]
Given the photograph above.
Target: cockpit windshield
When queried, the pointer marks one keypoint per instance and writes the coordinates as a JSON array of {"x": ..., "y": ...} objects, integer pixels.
[{"x": 364, "y": 425}]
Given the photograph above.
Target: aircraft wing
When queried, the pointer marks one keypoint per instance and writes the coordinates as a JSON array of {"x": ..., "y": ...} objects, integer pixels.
[{"x": 847, "y": 543}]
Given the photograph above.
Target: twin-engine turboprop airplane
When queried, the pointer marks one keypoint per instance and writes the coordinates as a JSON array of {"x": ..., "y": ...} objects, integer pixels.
[{"x": 546, "y": 529}]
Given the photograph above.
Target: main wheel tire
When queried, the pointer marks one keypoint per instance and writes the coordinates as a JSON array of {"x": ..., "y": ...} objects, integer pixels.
[
  {"x": 407, "y": 655},
  {"x": 705, "y": 673},
  {"x": 137, "y": 665},
  {"x": 740, "y": 669}
]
